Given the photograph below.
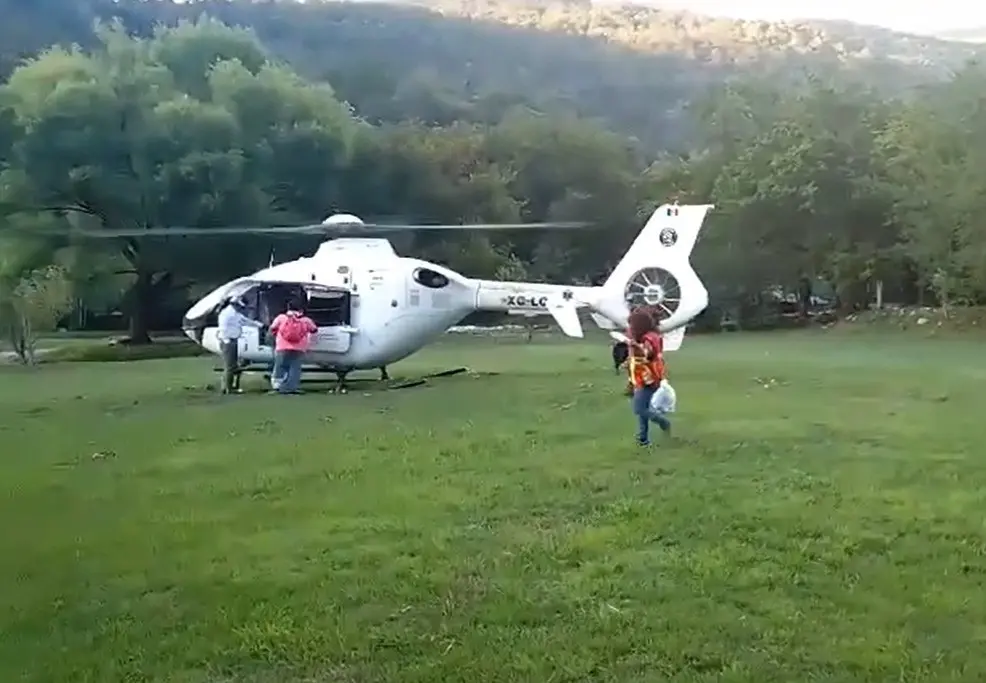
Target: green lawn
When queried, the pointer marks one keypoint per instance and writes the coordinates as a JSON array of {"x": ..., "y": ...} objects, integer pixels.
[{"x": 829, "y": 527}]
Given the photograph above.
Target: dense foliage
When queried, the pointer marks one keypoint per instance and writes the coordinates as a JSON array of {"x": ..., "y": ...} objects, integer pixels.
[{"x": 827, "y": 184}]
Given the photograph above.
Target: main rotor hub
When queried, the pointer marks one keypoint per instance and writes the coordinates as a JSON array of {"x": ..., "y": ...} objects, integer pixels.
[{"x": 343, "y": 219}]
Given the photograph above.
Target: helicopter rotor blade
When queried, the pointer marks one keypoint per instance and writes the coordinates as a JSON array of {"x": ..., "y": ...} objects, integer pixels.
[
  {"x": 337, "y": 229},
  {"x": 313, "y": 229},
  {"x": 554, "y": 225}
]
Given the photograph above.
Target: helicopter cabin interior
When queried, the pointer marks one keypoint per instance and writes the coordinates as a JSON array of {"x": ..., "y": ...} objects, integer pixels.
[{"x": 326, "y": 306}]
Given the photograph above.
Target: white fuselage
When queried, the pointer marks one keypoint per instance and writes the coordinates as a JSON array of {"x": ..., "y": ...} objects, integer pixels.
[{"x": 372, "y": 307}]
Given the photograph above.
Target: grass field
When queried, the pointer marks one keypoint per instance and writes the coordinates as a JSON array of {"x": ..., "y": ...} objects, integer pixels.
[{"x": 826, "y": 527}]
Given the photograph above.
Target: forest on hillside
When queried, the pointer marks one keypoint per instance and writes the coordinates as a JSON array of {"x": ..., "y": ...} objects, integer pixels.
[
  {"x": 635, "y": 70},
  {"x": 199, "y": 123}
]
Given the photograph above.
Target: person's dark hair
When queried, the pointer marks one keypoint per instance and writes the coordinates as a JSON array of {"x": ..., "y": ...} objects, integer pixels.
[
  {"x": 296, "y": 305},
  {"x": 640, "y": 323}
]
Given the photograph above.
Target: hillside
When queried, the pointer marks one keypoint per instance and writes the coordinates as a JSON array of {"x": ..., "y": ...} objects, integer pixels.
[
  {"x": 634, "y": 68},
  {"x": 975, "y": 34},
  {"x": 655, "y": 30}
]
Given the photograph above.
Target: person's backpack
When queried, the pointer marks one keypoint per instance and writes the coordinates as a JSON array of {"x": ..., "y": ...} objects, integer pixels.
[
  {"x": 657, "y": 343},
  {"x": 294, "y": 330},
  {"x": 655, "y": 340}
]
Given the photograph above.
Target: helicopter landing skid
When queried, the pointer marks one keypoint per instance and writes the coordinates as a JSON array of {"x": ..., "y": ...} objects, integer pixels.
[
  {"x": 419, "y": 381},
  {"x": 343, "y": 384}
]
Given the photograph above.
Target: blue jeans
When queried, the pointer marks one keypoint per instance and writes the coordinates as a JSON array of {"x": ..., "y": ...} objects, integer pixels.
[
  {"x": 641, "y": 408},
  {"x": 286, "y": 375}
]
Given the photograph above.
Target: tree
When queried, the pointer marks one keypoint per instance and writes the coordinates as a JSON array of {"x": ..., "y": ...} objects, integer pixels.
[
  {"x": 563, "y": 169},
  {"x": 31, "y": 305},
  {"x": 932, "y": 167},
  {"x": 39, "y": 300},
  {"x": 188, "y": 128},
  {"x": 98, "y": 278},
  {"x": 797, "y": 202}
]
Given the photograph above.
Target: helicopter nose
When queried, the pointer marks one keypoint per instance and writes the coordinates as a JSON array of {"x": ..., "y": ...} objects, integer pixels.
[{"x": 193, "y": 328}]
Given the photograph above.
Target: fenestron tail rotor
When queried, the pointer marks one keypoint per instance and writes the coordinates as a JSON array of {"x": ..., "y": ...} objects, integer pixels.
[
  {"x": 337, "y": 225},
  {"x": 655, "y": 288}
]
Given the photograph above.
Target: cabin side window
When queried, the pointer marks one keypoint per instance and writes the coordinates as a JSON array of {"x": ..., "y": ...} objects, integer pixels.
[
  {"x": 331, "y": 308},
  {"x": 429, "y": 278}
]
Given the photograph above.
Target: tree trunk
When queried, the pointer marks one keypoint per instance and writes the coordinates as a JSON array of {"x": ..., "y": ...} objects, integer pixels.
[
  {"x": 804, "y": 298},
  {"x": 28, "y": 343},
  {"x": 17, "y": 343},
  {"x": 879, "y": 295},
  {"x": 140, "y": 303}
]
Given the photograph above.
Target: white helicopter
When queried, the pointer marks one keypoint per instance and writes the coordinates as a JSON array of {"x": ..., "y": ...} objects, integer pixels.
[{"x": 374, "y": 308}]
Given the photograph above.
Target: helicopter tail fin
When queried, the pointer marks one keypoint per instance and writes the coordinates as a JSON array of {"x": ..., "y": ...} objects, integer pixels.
[
  {"x": 656, "y": 272},
  {"x": 566, "y": 315}
]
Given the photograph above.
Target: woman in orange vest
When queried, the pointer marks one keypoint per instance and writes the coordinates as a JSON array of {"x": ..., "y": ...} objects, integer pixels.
[{"x": 646, "y": 367}]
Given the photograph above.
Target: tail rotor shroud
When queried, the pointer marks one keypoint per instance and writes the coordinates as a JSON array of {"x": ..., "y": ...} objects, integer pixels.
[{"x": 655, "y": 288}]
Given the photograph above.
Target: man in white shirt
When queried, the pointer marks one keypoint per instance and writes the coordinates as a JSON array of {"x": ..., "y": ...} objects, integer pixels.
[{"x": 231, "y": 324}]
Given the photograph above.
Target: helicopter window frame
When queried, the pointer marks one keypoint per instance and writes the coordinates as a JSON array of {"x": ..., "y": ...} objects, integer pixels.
[{"x": 433, "y": 279}]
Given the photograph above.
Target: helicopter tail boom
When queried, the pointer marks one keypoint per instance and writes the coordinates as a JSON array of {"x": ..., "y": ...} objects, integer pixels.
[{"x": 534, "y": 299}]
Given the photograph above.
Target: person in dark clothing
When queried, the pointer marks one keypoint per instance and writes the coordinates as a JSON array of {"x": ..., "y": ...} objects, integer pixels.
[{"x": 621, "y": 352}]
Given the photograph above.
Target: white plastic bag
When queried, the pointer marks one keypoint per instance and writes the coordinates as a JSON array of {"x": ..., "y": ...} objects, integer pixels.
[{"x": 664, "y": 399}]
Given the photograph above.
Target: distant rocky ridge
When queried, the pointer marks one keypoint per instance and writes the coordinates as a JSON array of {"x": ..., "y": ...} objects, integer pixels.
[{"x": 660, "y": 30}]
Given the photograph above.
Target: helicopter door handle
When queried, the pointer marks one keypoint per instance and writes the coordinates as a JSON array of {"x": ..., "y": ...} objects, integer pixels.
[{"x": 248, "y": 340}]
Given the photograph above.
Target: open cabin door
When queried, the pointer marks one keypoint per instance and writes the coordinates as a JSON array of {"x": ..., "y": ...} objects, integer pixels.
[{"x": 329, "y": 307}]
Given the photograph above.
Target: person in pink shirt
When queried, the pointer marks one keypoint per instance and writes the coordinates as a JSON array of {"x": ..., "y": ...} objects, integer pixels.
[{"x": 292, "y": 333}]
